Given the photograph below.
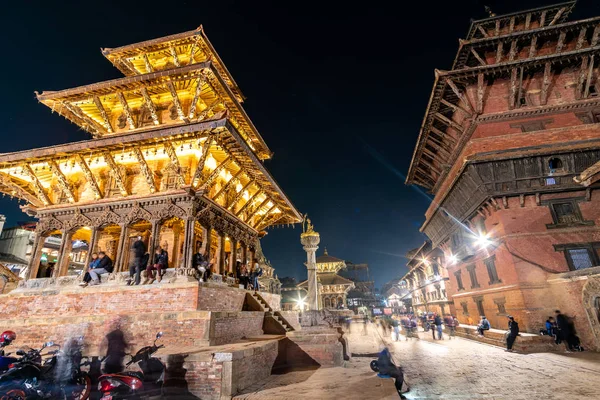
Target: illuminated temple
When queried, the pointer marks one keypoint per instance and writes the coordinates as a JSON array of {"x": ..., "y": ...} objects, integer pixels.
[{"x": 173, "y": 157}]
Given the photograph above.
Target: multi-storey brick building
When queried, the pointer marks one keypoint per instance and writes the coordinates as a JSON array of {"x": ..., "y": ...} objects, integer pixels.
[
  {"x": 508, "y": 148},
  {"x": 426, "y": 281}
]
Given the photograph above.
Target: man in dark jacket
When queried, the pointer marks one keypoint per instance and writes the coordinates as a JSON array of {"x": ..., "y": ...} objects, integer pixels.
[
  {"x": 513, "y": 328},
  {"x": 387, "y": 367},
  {"x": 438, "y": 325},
  {"x": 563, "y": 329},
  {"x": 138, "y": 250},
  {"x": 161, "y": 262},
  {"x": 105, "y": 266}
]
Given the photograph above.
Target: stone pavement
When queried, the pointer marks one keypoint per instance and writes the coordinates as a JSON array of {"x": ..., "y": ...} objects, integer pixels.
[{"x": 446, "y": 369}]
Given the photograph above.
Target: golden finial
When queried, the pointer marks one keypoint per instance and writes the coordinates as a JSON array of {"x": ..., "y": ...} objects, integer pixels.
[{"x": 489, "y": 11}]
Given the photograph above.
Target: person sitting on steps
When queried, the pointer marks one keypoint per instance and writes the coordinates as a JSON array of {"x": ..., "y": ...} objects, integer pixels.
[
  {"x": 161, "y": 262},
  {"x": 104, "y": 266},
  {"x": 484, "y": 325}
]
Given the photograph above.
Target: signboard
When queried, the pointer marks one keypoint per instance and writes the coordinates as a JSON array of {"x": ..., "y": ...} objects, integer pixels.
[
  {"x": 387, "y": 311},
  {"x": 377, "y": 311}
]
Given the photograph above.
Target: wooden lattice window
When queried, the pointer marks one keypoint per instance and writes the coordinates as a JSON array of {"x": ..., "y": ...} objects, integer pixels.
[
  {"x": 490, "y": 264},
  {"x": 473, "y": 276},
  {"x": 566, "y": 212},
  {"x": 580, "y": 255},
  {"x": 459, "y": 282}
]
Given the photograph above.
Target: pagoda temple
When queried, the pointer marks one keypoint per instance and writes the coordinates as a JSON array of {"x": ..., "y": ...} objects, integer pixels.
[
  {"x": 332, "y": 288},
  {"x": 173, "y": 158}
]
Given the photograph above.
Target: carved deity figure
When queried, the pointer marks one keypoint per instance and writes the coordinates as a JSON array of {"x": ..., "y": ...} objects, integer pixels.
[{"x": 307, "y": 226}]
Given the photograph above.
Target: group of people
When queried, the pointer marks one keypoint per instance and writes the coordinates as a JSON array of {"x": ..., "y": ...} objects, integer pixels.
[
  {"x": 562, "y": 329},
  {"x": 101, "y": 264}
]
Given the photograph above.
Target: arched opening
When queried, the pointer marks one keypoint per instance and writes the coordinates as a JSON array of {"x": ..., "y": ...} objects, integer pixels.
[
  {"x": 171, "y": 239},
  {"x": 327, "y": 302},
  {"x": 78, "y": 250},
  {"x": 49, "y": 253},
  {"x": 108, "y": 240},
  {"x": 140, "y": 228},
  {"x": 555, "y": 164}
]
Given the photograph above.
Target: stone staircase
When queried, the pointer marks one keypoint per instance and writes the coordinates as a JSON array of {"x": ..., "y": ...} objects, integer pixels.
[{"x": 274, "y": 322}]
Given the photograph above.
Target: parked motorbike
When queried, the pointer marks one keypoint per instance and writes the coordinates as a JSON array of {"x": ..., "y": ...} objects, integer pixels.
[
  {"x": 6, "y": 338},
  {"x": 136, "y": 384},
  {"x": 58, "y": 377}
]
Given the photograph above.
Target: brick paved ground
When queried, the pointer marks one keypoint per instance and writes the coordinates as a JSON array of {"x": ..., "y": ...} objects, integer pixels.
[{"x": 448, "y": 369}]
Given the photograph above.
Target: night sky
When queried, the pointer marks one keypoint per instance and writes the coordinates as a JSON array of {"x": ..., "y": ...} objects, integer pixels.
[{"x": 338, "y": 90}]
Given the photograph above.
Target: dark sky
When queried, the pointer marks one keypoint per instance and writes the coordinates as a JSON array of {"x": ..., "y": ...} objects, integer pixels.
[{"x": 337, "y": 89}]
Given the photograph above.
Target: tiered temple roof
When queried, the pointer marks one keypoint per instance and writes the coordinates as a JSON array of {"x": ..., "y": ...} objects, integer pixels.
[
  {"x": 507, "y": 47},
  {"x": 174, "y": 124}
]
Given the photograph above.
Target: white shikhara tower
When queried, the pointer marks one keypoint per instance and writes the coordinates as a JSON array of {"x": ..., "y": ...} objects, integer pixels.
[{"x": 310, "y": 241}]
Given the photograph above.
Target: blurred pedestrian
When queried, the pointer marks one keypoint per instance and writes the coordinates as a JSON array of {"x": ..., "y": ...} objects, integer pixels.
[
  {"x": 513, "y": 332},
  {"x": 116, "y": 348},
  {"x": 437, "y": 320}
]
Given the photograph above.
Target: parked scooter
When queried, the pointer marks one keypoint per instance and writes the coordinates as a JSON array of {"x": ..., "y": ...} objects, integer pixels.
[
  {"x": 135, "y": 384},
  {"x": 59, "y": 377},
  {"x": 6, "y": 338}
]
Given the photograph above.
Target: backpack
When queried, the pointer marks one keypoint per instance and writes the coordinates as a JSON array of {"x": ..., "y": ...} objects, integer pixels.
[{"x": 485, "y": 324}]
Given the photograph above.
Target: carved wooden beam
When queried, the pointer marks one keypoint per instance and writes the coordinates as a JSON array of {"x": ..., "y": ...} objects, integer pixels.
[
  {"x": 527, "y": 21},
  {"x": 546, "y": 83},
  {"x": 37, "y": 185},
  {"x": 150, "y": 105},
  {"x": 448, "y": 122},
  {"x": 62, "y": 181},
  {"x": 149, "y": 68},
  {"x": 128, "y": 65},
  {"x": 213, "y": 175},
  {"x": 201, "y": 162},
  {"x": 193, "y": 52},
  {"x": 247, "y": 203},
  {"x": 480, "y": 89},
  {"x": 532, "y": 46},
  {"x": 512, "y": 88},
  {"x": 543, "y": 19},
  {"x": 89, "y": 177},
  {"x": 499, "y": 51},
  {"x": 174, "y": 55},
  {"x": 239, "y": 194},
  {"x": 588, "y": 82},
  {"x": 253, "y": 212},
  {"x": 581, "y": 38},
  {"x": 176, "y": 102},
  {"x": 557, "y": 16},
  {"x": 459, "y": 94},
  {"x": 200, "y": 82},
  {"x": 439, "y": 148},
  {"x": 114, "y": 168},
  {"x": 19, "y": 192},
  {"x": 511, "y": 26},
  {"x": 581, "y": 78},
  {"x": 497, "y": 28},
  {"x": 104, "y": 114},
  {"x": 595, "y": 36},
  {"x": 170, "y": 150},
  {"x": 262, "y": 218},
  {"x": 456, "y": 107},
  {"x": 78, "y": 112},
  {"x": 482, "y": 31},
  {"x": 431, "y": 166},
  {"x": 512, "y": 53},
  {"x": 520, "y": 87},
  {"x": 208, "y": 109},
  {"x": 228, "y": 184},
  {"x": 146, "y": 171},
  {"x": 478, "y": 57},
  {"x": 126, "y": 110},
  {"x": 561, "y": 41},
  {"x": 443, "y": 135}
]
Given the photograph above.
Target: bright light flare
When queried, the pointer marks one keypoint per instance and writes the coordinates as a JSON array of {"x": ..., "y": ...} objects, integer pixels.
[{"x": 482, "y": 241}]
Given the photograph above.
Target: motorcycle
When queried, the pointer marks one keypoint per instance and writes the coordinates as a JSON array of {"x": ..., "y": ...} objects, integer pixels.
[
  {"x": 58, "y": 377},
  {"x": 135, "y": 384},
  {"x": 6, "y": 339}
]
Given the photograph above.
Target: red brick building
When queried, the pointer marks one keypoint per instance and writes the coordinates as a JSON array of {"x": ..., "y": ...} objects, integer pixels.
[{"x": 508, "y": 148}]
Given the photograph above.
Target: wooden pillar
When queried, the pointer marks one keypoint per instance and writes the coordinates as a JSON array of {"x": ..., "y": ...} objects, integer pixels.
[
  {"x": 66, "y": 244},
  {"x": 188, "y": 243},
  {"x": 176, "y": 241},
  {"x": 120, "y": 259},
  {"x": 244, "y": 252},
  {"x": 91, "y": 247},
  {"x": 233, "y": 255},
  {"x": 36, "y": 255},
  {"x": 221, "y": 253},
  {"x": 206, "y": 241},
  {"x": 154, "y": 238}
]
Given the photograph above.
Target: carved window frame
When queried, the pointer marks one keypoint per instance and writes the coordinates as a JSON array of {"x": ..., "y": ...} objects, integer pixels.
[
  {"x": 472, "y": 269},
  {"x": 574, "y": 202},
  {"x": 490, "y": 265},
  {"x": 459, "y": 282},
  {"x": 592, "y": 249},
  {"x": 465, "y": 308},
  {"x": 501, "y": 304}
]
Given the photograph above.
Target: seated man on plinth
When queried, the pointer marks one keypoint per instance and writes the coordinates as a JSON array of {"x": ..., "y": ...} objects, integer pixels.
[{"x": 104, "y": 266}]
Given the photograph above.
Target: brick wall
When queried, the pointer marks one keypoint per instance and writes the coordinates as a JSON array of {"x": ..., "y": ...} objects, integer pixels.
[{"x": 227, "y": 327}]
